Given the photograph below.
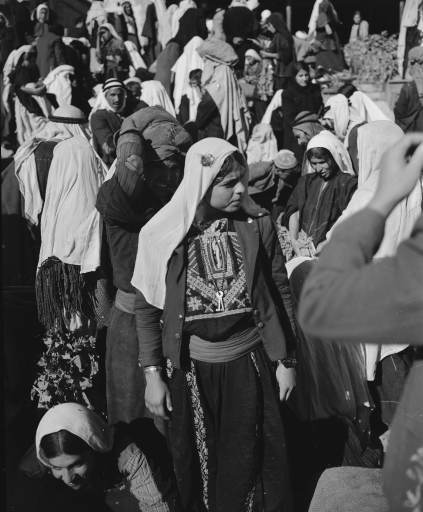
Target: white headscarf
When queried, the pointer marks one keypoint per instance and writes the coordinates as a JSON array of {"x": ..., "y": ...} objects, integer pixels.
[
  {"x": 373, "y": 140},
  {"x": 111, "y": 29},
  {"x": 70, "y": 223},
  {"x": 25, "y": 168},
  {"x": 95, "y": 13},
  {"x": 167, "y": 229},
  {"x": 164, "y": 32},
  {"x": 154, "y": 94},
  {"x": 339, "y": 112},
  {"x": 329, "y": 141},
  {"x": 363, "y": 107},
  {"x": 188, "y": 61},
  {"x": 58, "y": 83},
  {"x": 262, "y": 146},
  {"x": 39, "y": 8},
  {"x": 79, "y": 421},
  {"x": 220, "y": 82},
  {"x": 276, "y": 102},
  {"x": 312, "y": 25},
  {"x": 184, "y": 5}
]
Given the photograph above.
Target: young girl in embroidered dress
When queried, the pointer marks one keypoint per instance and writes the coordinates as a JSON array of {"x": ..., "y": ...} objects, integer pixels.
[{"x": 216, "y": 336}]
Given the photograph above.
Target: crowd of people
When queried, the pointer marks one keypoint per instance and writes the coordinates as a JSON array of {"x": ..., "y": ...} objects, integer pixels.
[{"x": 226, "y": 264}]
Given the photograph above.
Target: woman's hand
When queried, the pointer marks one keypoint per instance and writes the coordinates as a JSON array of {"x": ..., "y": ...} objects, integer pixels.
[
  {"x": 286, "y": 381},
  {"x": 157, "y": 395},
  {"x": 399, "y": 173}
]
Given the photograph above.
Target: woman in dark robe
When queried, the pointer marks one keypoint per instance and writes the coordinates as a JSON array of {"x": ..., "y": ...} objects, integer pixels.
[
  {"x": 239, "y": 24},
  {"x": 149, "y": 31},
  {"x": 299, "y": 95},
  {"x": 281, "y": 49},
  {"x": 324, "y": 27},
  {"x": 191, "y": 24},
  {"x": 409, "y": 106}
]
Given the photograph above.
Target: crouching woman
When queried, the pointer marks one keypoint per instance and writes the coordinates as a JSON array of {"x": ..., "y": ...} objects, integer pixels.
[
  {"x": 216, "y": 329},
  {"x": 86, "y": 457}
]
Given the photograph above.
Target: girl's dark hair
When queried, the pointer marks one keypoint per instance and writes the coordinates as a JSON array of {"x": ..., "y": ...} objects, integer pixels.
[
  {"x": 300, "y": 66},
  {"x": 58, "y": 443},
  {"x": 322, "y": 153},
  {"x": 347, "y": 90},
  {"x": 227, "y": 165}
]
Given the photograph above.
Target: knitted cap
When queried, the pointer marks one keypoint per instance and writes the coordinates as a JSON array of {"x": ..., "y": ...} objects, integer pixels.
[
  {"x": 68, "y": 114},
  {"x": 285, "y": 159}
]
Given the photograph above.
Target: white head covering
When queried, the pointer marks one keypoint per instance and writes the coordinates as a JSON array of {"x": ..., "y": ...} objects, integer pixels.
[
  {"x": 252, "y": 53},
  {"x": 111, "y": 29},
  {"x": 365, "y": 108},
  {"x": 96, "y": 12},
  {"x": 58, "y": 83},
  {"x": 79, "y": 421},
  {"x": 187, "y": 62},
  {"x": 312, "y": 25},
  {"x": 70, "y": 223},
  {"x": 220, "y": 81},
  {"x": 275, "y": 103},
  {"x": 167, "y": 229},
  {"x": 339, "y": 112},
  {"x": 262, "y": 146},
  {"x": 154, "y": 94},
  {"x": 184, "y": 5},
  {"x": 39, "y": 8},
  {"x": 329, "y": 141},
  {"x": 252, "y": 4},
  {"x": 373, "y": 140},
  {"x": 265, "y": 14}
]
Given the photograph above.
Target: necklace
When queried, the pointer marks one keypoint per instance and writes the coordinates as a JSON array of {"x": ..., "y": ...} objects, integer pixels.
[{"x": 219, "y": 260}]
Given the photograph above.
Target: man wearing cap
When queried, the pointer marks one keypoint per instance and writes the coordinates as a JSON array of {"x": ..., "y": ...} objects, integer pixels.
[
  {"x": 106, "y": 118},
  {"x": 271, "y": 183}
]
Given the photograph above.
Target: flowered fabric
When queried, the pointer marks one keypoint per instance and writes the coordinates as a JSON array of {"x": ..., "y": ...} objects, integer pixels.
[{"x": 66, "y": 369}]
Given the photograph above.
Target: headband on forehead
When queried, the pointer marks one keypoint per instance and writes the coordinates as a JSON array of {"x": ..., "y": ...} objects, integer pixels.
[{"x": 111, "y": 83}]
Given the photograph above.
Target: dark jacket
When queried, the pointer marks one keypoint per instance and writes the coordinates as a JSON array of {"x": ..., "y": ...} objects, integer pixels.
[
  {"x": 295, "y": 99},
  {"x": 160, "y": 333}
]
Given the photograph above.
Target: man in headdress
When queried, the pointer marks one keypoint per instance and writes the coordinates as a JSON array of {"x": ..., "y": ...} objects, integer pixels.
[{"x": 107, "y": 117}]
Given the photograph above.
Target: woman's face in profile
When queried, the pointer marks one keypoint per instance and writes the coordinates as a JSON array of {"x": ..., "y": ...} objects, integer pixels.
[{"x": 73, "y": 470}]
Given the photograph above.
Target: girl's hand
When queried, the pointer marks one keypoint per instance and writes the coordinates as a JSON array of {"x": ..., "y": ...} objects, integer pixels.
[
  {"x": 157, "y": 395},
  {"x": 286, "y": 381}
]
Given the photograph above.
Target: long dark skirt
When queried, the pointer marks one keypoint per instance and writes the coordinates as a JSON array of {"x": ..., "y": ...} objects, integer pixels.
[
  {"x": 125, "y": 383},
  {"x": 227, "y": 437}
]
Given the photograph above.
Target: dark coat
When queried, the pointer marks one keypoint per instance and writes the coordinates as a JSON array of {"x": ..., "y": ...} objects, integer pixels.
[
  {"x": 160, "y": 333},
  {"x": 295, "y": 99}
]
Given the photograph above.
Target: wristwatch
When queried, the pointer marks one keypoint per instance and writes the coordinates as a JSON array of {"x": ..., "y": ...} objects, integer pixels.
[{"x": 288, "y": 362}]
